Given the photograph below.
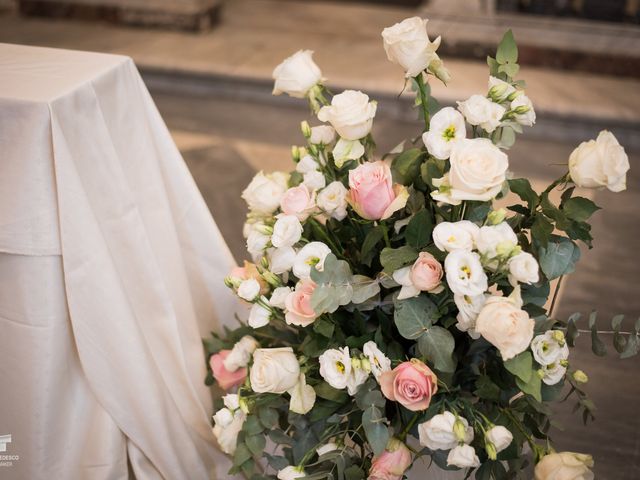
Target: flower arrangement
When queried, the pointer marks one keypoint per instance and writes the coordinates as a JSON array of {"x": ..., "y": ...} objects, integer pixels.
[{"x": 394, "y": 312}]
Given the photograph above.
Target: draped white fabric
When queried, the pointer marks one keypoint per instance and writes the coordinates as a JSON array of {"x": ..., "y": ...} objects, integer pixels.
[{"x": 111, "y": 271}]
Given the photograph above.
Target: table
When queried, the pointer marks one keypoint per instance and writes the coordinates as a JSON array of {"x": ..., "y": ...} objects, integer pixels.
[{"x": 111, "y": 270}]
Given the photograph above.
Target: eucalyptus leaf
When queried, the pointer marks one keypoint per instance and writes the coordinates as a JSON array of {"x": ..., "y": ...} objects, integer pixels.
[
  {"x": 414, "y": 316},
  {"x": 364, "y": 288},
  {"x": 558, "y": 257},
  {"x": 521, "y": 366},
  {"x": 507, "y": 49},
  {"x": 406, "y": 166},
  {"x": 419, "y": 230},
  {"x": 437, "y": 344},
  {"x": 375, "y": 428},
  {"x": 393, "y": 259}
]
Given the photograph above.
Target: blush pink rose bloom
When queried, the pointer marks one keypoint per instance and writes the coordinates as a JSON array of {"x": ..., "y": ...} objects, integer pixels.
[
  {"x": 426, "y": 272},
  {"x": 392, "y": 463},
  {"x": 224, "y": 377},
  {"x": 372, "y": 193},
  {"x": 298, "y": 201},
  {"x": 411, "y": 384},
  {"x": 298, "y": 304}
]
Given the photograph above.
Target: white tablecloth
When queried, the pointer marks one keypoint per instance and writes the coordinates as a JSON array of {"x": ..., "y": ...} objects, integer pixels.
[{"x": 111, "y": 270}]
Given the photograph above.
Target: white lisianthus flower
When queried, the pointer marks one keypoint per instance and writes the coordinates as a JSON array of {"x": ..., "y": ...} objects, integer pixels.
[
  {"x": 291, "y": 473},
  {"x": 281, "y": 259},
  {"x": 274, "y": 370},
  {"x": 600, "y": 163},
  {"x": 326, "y": 448},
  {"x": 553, "y": 373},
  {"x": 223, "y": 417},
  {"x": 227, "y": 431},
  {"x": 465, "y": 274},
  {"x": 350, "y": 113},
  {"x": 307, "y": 164},
  {"x": 499, "y": 90},
  {"x": 303, "y": 396},
  {"x": 378, "y": 360},
  {"x": 333, "y": 200},
  {"x": 335, "y": 367},
  {"x": 463, "y": 456},
  {"x": 279, "y": 296},
  {"x": 492, "y": 240},
  {"x": 296, "y": 75},
  {"x": 287, "y": 231},
  {"x": 547, "y": 349},
  {"x": 314, "y": 180},
  {"x": 499, "y": 436},
  {"x": 231, "y": 401},
  {"x": 564, "y": 466},
  {"x": 438, "y": 433},
  {"x": 407, "y": 44},
  {"x": 249, "y": 289},
  {"x": 258, "y": 316},
  {"x": 264, "y": 192},
  {"x": 481, "y": 111},
  {"x": 357, "y": 377},
  {"x": 240, "y": 353},
  {"x": 322, "y": 135},
  {"x": 312, "y": 254},
  {"x": 446, "y": 127},
  {"x": 478, "y": 170},
  {"x": 403, "y": 277},
  {"x": 523, "y": 268},
  {"x": 468, "y": 309},
  {"x": 460, "y": 235},
  {"x": 257, "y": 243},
  {"x": 523, "y": 108},
  {"x": 346, "y": 150},
  {"x": 504, "y": 324}
]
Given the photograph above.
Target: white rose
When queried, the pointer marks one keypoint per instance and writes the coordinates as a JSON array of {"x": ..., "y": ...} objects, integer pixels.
[
  {"x": 495, "y": 239},
  {"x": 460, "y": 235},
  {"x": 335, "y": 367},
  {"x": 547, "y": 349},
  {"x": 227, "y": 436},
  {"x": 333, "y": 200},
  {"x": 446, "y": 127},
  {"x": 499, "y": 90},
  {"x": 287, "y": 231},
  {"x": 407, "y": 44},
  {"x": 313, "y": 253},
  {"x": 240, "y": 353},
  {"x": 378, "y": 360},
  {"x": 322, "y": 134},
  {"x": 279, "y": 296},
  {"x": 465, "y": 275},
  {"x": 564, "y": 466},
  {"x": 350, "y": 113},
  {"x": 231, "y": 401},
  {"x": 314, "y": 180},
  {"x": 463, "y": 456},
  {"x": 249, "y": 289},
  {"x": 345, "y": 150},
  {"x": 259, "y": 316},
  {"x": 257, "y": 243},
  {"x": 525, "y": 114},
  {"x": 438, "y": 432},
  {"x": 303, "y": 396},
  {"x": 357, "y": 377},
  {"x": 264, "y": 192},
  {"x": 478, "y": 170},
  {"x": 281, "y": 260},
  {"x": 479, "y": 110},
  {"x": 468, "y": 309},
  {"x": 326, "y": 448},
  {"x": 274, "y": 370},
  {"x": 600, "y": 163},
  {"x": 297, "y": 75},
  {"x": 523, "y": 268},
  {"x": 500, "y": 437},
  {"x": 505, "y": 325},
  {"x": 307, "y": 164},
  {"x": 291, "y": 473}
]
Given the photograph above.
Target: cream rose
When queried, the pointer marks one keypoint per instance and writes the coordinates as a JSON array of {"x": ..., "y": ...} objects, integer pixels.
[
  {"x": 600, "y": 163},
  {"x": 286, "y": 231},
  {"x": 446, "y": 127},
  {"x": 481, "y": 111},
  {"x": 297, "y": 75},
  {"x": 274, "y": 370},
  {"x": 264, "y": 192},
  {"x": 350, "y": 113},
  {"x": 298, "y": 201},
  {"x": 564, "y": 466},
  {"x": 523, "y": 268},
  {"x": 314, "y": 180},
  {"x": 407, "y": 44},
  {"x": 333, "y": 200}
]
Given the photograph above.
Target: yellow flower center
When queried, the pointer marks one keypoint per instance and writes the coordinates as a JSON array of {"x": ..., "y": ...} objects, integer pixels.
[
  {"x": 340, "y": 367},
  {"x": 449, "y": 133}
]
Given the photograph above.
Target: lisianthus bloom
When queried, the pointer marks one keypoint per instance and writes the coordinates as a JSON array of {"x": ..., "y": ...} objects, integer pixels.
[
  {"x": 392, "y": 463},
  {"x": 225, "y": 378},
  {"x": 372, "y": 193},
  {"x": 411, "y": 384}
]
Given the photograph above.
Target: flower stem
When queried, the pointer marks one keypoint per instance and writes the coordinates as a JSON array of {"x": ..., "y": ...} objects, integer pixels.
[
  {"x": 424, "y": 98},
  {"x": 406, "y": 430}
]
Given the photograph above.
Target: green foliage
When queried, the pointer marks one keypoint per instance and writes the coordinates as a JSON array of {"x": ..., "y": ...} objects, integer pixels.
[
  {"x": 559, "y": 257},
  {"x": 437, "y": 345},
  {"x": 393, "y": 259},
  {"x": 415, "y": 316},
  {"x": 406, "y": 166}
]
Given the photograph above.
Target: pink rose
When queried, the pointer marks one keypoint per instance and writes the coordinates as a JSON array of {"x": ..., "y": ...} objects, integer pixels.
[
  {"x": 298, "y": 201},
  {"x": 224, "y": 377},
  {"x": 392, "y": 463},
  {"x": 426, "y": 272},
  {"x": 298, "y": 304},
  {"x": 371, "y": 191},
  {"x": 412, "y": 384}
]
